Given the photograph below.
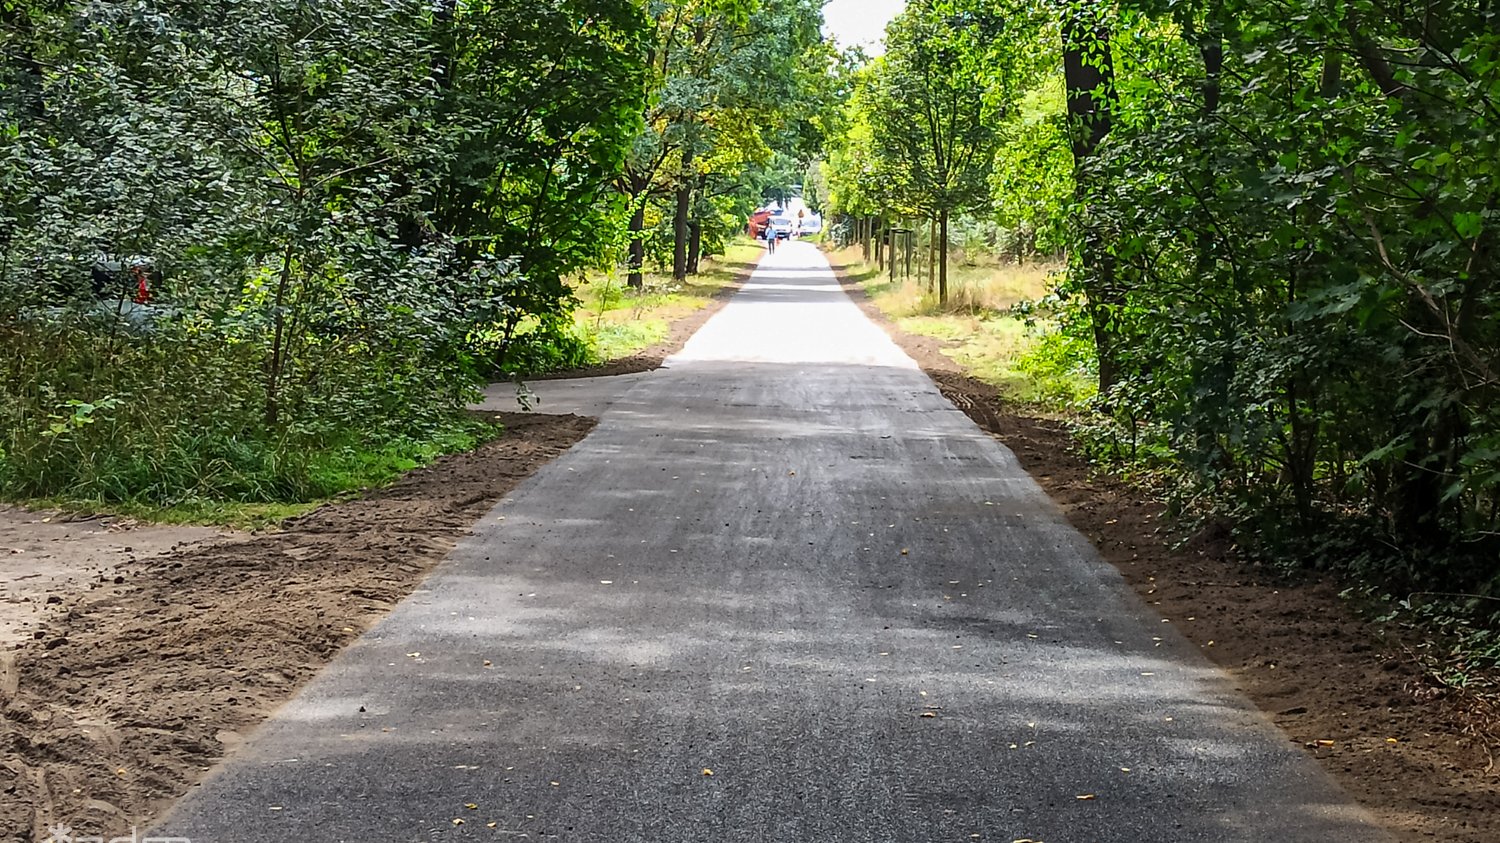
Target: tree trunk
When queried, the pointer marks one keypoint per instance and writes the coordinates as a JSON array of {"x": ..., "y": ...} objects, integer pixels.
[
  {"x": 932, "y": 254},
  {"x": 1088, "y": 73},
  {"x": 635, "y": 278},
  {"x": 890, "y": 249},
  {"x": 680, "y": 225},
  {"x": 1211, "y": 48},
  {"x": 943, "y": 257},
  {"x": 276, "y": 363},
  {"x": 695, "y": 246}
]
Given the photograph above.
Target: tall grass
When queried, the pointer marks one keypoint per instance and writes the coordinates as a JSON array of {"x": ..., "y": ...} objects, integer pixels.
[
  {"x": 93, "y": 417},
  {"x": 1030, "y": 358}
]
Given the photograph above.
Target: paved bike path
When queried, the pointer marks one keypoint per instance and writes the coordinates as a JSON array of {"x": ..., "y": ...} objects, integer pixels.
[{"x": 784, "y": 592}]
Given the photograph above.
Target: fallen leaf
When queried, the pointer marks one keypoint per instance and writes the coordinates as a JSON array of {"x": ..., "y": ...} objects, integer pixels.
[
  {"x": 471, "y": 806},
  {"x": 707, "y": 772},
  {"x": 928, "y": 714},
  {"x": 1325, "y": 743},
  {"x": 1085, "y": 797},
  {"x": 1391, "y": 740},
  {"x": 457, "y": 821}
]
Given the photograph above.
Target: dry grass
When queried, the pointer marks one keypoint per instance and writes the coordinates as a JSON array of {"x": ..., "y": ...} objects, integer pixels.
[
  {"x": 984, "y": 335},
  {"x": 978, "y": 289}
]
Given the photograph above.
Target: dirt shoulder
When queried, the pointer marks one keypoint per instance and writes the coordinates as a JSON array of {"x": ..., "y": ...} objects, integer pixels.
[
  {"x": 1421, "y": 760},
  {"x": 681, "y": 330},
  {"x": 133, "y": 688},
  {"x": 47, "y": 553}
]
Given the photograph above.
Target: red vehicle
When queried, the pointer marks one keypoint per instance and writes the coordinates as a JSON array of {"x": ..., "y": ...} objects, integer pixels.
[{"x": 759, "y": 220}]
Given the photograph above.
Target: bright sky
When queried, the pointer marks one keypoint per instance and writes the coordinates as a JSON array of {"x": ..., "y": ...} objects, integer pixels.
[{"x": 861, "y": 22}]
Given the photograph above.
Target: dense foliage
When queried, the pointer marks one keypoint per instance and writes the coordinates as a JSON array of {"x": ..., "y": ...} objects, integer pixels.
[
  {"x": 1300, "y": 207},
  {"x": 738, "y": 88},
  {"x": 250, "y": 247},
  {"x": 1281, "y": 220}
]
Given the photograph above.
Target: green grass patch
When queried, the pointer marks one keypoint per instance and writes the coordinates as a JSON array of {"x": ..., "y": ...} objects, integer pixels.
[
  {"x": 618, "y": 321},
  {"x": 616, "y": 339},
  {"x": 261, "y": 484}
]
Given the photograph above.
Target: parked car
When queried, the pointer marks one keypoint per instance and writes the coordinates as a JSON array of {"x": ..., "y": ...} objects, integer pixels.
[
  {"x": 117, "y": 279},
  {"x": 784, "y": 226},
  {"x": 810, "y": 224},
  {"x": 119, "y": 291}
]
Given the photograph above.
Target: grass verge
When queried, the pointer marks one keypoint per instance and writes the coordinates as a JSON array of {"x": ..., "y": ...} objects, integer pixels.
[
  {"x": 619, "y": 321},
  {"x": 1027, "y": 358},
  {"x": 263, "y": 491}
]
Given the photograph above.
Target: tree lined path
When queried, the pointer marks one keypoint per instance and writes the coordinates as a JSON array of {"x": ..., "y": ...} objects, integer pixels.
[{"x": 785, "y": 592}]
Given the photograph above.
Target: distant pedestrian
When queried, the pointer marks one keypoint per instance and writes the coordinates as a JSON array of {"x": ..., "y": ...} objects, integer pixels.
[{"x": 769, "y": 232}]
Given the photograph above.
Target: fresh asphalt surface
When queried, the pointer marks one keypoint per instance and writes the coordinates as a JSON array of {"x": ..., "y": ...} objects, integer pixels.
[{"x": 727, "y": 616}]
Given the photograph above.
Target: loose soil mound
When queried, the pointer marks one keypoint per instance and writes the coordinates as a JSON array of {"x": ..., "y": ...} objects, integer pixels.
[
  {"x": 45, "y": 553},
  {"x": 1421, "y": 759},
  {"x": 132, "y": 692}
]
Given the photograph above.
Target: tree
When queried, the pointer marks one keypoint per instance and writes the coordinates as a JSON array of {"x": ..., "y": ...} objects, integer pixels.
[
  {"x": 538, "y": 106},
  {"x": 734, "y": 83},
  {"x": 1282, "y": 226},
  {"x": 1089, "y": 77},
  {"x": 947, "y": 82}
]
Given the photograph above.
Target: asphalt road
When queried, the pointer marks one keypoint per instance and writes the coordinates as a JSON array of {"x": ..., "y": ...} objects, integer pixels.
[{"x": 785, "y": 592}]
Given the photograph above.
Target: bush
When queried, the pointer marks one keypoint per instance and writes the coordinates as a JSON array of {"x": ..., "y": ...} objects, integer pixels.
[{"x": 179, "y": 414}]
